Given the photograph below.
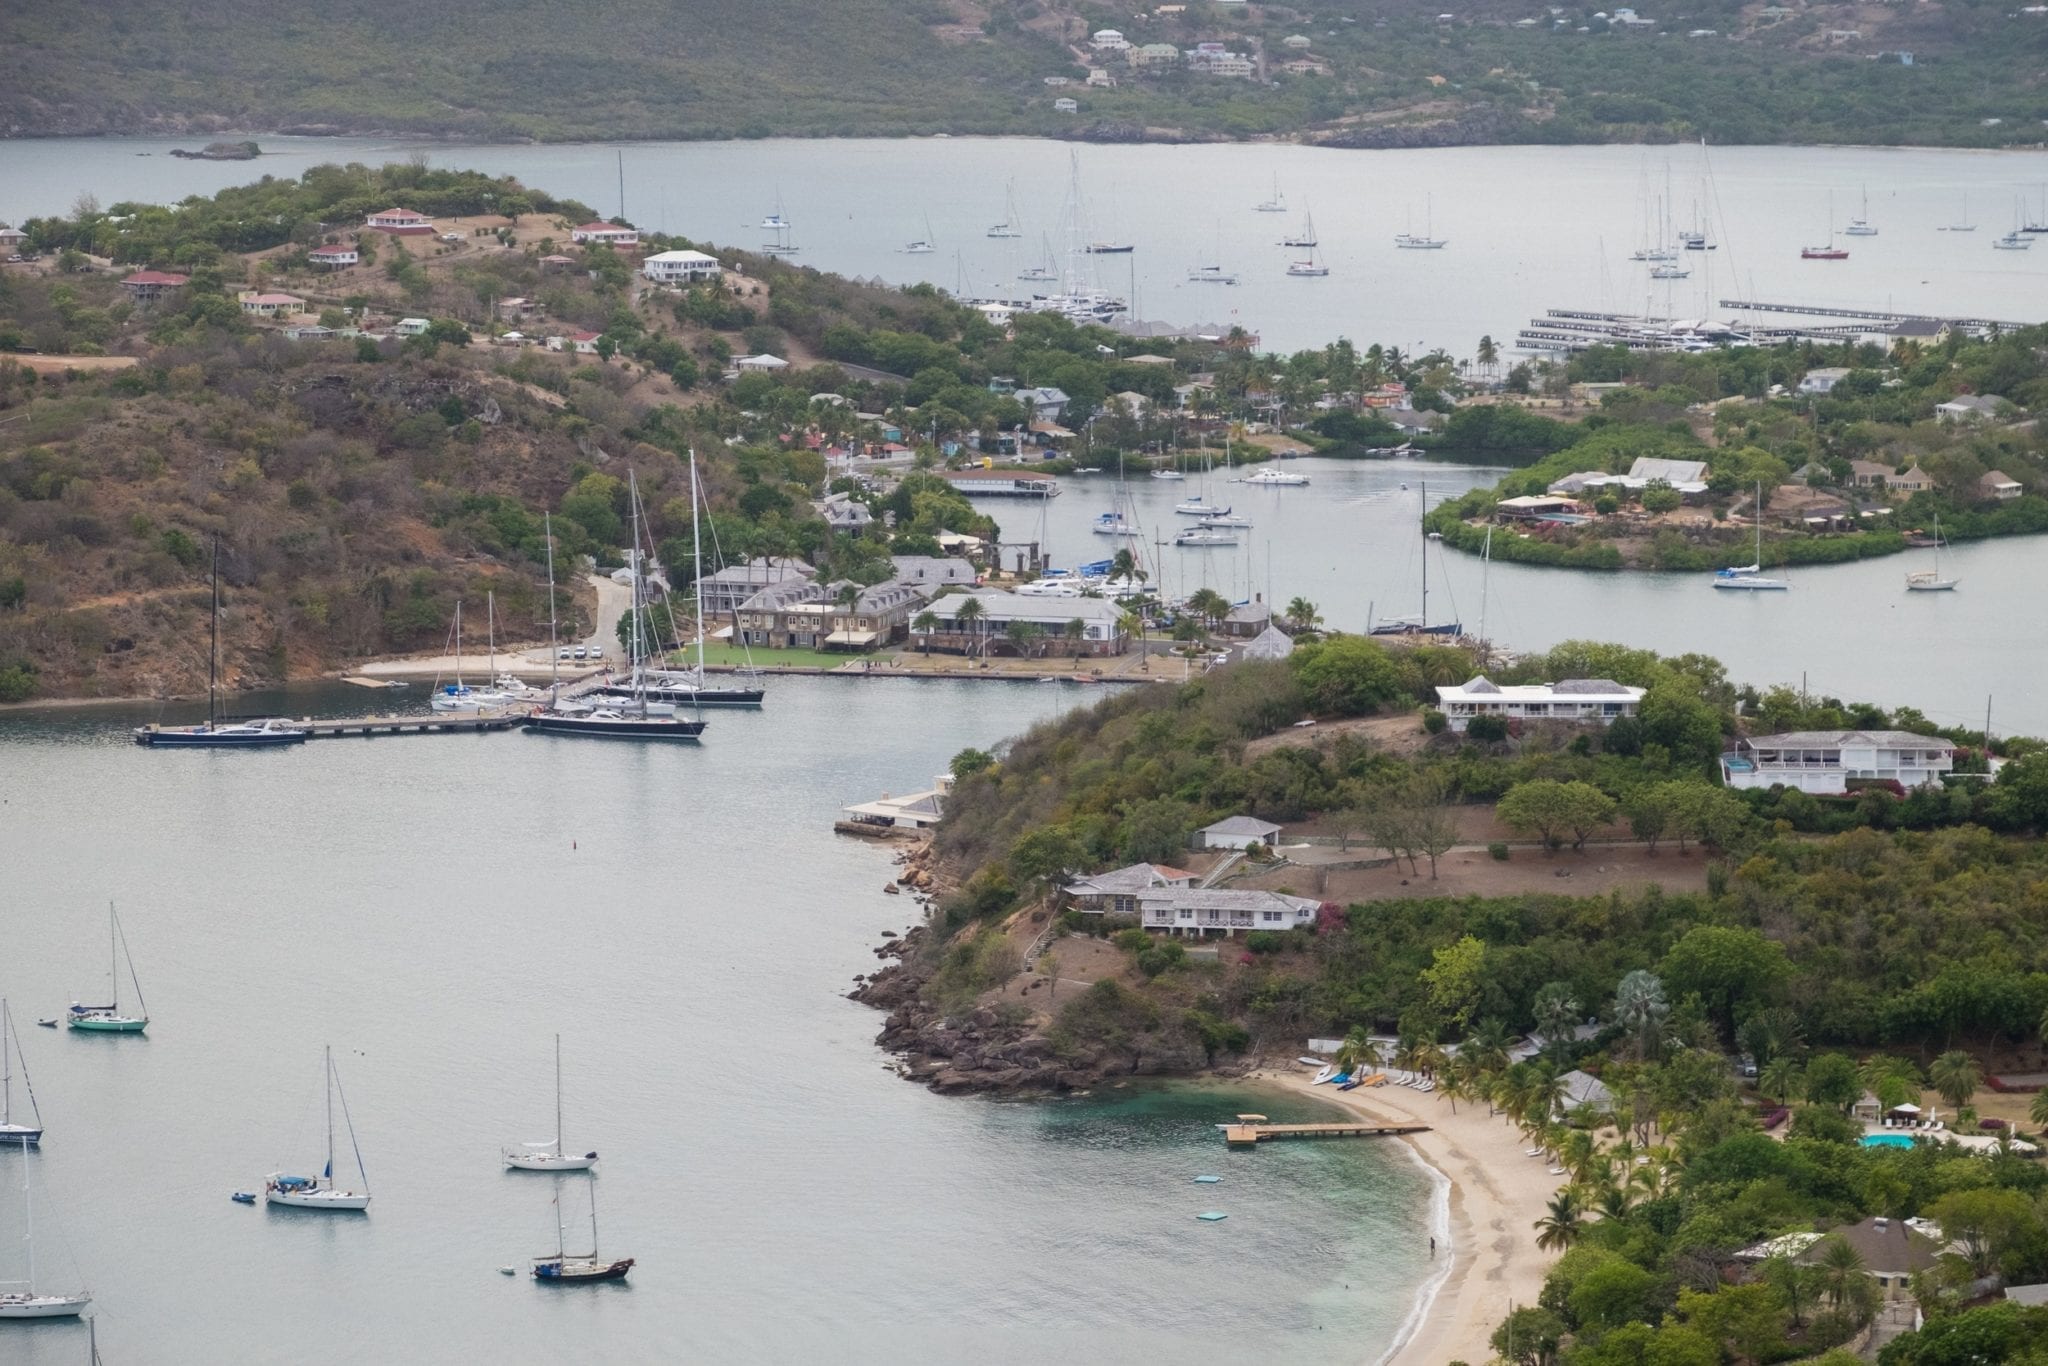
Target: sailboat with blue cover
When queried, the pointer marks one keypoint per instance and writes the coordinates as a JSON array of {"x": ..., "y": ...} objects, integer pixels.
[{"x": 320, "y": 1192}]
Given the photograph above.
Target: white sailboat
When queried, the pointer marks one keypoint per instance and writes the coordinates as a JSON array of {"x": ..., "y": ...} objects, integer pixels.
[
  {"x": 1277, "y": 204},
  {"x": 25, "y": 1303},
  {"x": 1860, "y": 225},
  {"x": 320, "y": 1192},
  {"x": 1932, "y": 580},
  {"x": 781, "y": 227},
  {"x": 547, "y": 1156},
  {"x": 1312, "y": 265},
  {"x": 1963, "y": 224},
  {"x": 1427, "y": 240},
  {"x": 924, "y": 245},
  {"x": 459, "y": 696},
  {"x": 10, "y": 1130},
  {"x": 1011, "y": 226},
  {"x": 1750, "y": 577},
  {"x": 1043, "y": 269}
]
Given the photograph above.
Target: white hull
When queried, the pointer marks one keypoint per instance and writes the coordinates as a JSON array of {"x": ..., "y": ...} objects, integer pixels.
[
  {"x": 42, "y": 1306},
  {"x": 550, "y": 1162},
  {"x": 1751, "y": 585},
  {"x": 326, "y": 1199}
]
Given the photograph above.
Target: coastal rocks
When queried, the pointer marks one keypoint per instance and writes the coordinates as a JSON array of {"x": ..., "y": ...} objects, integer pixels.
[
  {"x": 221, "y": 151},
  {"x": 1482, "y": 124}
]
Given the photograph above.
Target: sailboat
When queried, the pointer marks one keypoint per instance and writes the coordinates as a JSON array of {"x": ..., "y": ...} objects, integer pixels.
[
  {"x": 1312, "y": 265},
  {"x": 10, "y": 1131},
  {"x": 26, "y": 1303},
  {"x": 1963, "y": 224},
  {"x": 924, "y": 245},
  {"x": 1428, "y": 241},
  {"x": 1043, "y": 270},
  {"x": 2014, "y": 240},
  {"x": 626, "y": 714},
  {"x": 1830, "y": 252},
  {"x": 108, "y": 1019},
  {"x": 1303, "y": 236},
  {"x": 1418, "y": 625},
  {"x": 1860, "y": 226},
  {"x": 563, "y": 1269},
  {"x": 690, "y": 686},
  {"x": 781, "y": 227},
  {"x": 548, "y": 1156},
  {"x": 459, "y": 696},
  {"x": 1277, "y": 204},
  {"x": 1750, "y": 577},
  {"x": 217, "y": 733},
  {"x": 320, "y": 1192},
  {"x": 1927, "y": 580},
  {"x": 1011, "y": 226}
]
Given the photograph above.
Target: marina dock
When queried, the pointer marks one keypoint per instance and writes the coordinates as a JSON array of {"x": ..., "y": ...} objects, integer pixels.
[
  {"x": 1251, "y": 1135},
  {"x": 479, "y": 721}
]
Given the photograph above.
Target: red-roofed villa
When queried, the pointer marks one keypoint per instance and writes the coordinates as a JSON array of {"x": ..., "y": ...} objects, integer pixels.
[
  {"x": 149, "y": 284},
  {"x": 402, "y": 223}
]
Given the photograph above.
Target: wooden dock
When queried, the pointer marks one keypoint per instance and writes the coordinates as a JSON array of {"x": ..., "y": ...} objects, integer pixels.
[
  {"x": 1250, "y": 1135},
  {"x": 479, "y": 722}
]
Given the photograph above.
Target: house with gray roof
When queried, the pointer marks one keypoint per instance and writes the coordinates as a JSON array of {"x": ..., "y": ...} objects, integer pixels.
[
  {"x": 1271, "y": 643},
  {"x": 844, "y": 512},
  {"x": 723, "y": 592},
  {"x": 1970, "y": 408},
  {"x": 1583, "y": 1088},
  {"x": 826, "y": 616},
  {"x": 1236, "y": 832},
  {"x": 1824, "y": 761},
  {"x": 1045, "y": 401},
  {"x": 933, "y": 571},
  {"x": 1116, "y": 892},
  {"x": 1248, "y": 620},
  {"x": 1200, "y": 912},
  {"x": 1102, "y": 629}
]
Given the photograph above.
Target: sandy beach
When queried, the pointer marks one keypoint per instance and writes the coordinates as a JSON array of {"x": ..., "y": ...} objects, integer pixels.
[{"x": 1497, "y": 1194}]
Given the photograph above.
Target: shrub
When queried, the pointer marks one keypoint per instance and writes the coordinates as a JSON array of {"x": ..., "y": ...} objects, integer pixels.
[
  {"x": 1163, "y": 956},
  {"x": 1266, "y": 941},
  {"x": 1434, "y": 721},
  {"x": 1488, "y": 728},
  {"x": 1499, "y": 850}
]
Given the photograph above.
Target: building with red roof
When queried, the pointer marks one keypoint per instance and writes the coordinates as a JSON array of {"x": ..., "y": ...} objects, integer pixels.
[
  {"x": 150, "y": 284},
  {"x": 402, "y": 223}
]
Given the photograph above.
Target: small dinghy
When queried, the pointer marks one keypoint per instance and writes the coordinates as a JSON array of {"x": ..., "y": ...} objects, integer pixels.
[
  {"x": 1212, "y": 1216},
  {"x": 1207, "y": 1180},
  {"x": 243, "y": 1197}
]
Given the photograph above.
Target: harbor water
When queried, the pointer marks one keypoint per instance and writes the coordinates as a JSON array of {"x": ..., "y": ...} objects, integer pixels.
[
  {"x": 437, "y": 908},
  {"x": 1529, "y": 228}
]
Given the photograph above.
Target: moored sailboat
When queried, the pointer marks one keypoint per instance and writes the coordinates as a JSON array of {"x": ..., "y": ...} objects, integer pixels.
[
  {"x": 320, "y": 1192},
  {"x": 25, "y": 1303},
  {"x": 1932, "y": 580},
  {"x": 547, "y": 1156},
  {"x": 10, "y": 1130},
  {"x": 108, "y": 1019},
  {"x": 1750, "y": 577},
  {"x": 564, "y": 1269},
  {"x": 219, "y": 733}
]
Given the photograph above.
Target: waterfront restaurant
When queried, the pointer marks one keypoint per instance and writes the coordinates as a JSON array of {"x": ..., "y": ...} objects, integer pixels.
[
  {"x": 1597, "y": 700},
  {"x": 1823, "y": 761}
]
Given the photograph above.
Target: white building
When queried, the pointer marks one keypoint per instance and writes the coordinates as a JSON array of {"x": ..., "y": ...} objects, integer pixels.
[
  {"x": 1066, "y": 105},
  {"x": 933, "y": 571},
  {"x": 334, "y": 258},
  {"x": 1969, "y": 408},
  {"x": 1201, "y": 912},
  {"x": 1823, "y": 761},
  {"x": 1597, "y": 700},
  {"x": 610, "y": 234},
  {"x": 411, "y": 327},
  {"x": 763, "y": 363},
  {"x": 402, "y": 221},
  {"x": 1822, "y": 379},
  {"x": 1108, "y": 40},
  {"x": 264, "y": 305},
  {"x": 1236, "y": 832},
  {"x": 681, "y": 267}
]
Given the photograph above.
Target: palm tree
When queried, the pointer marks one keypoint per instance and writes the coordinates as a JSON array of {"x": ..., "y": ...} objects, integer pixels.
[
  {"x": 1557, "y": 1015},
  {"x": 1304, "y": 615},
  {"x": 1123, "y": 565},
  {"x": 1360, "y": 1051},
  {"x": 1780, "y": 1080},
  {"x": 1577, "y": 1153},
  {"x": 1640, "y": 1008},
  {"x": 1956, "y": 1077},
  {"x": 2038, "y": 1111},
  {"x": 1075, "y": 630},
  {"x": 1210, "y": 605},
  {"x": 1791, "y": 1281},
  {"x": 1489, "y": 354},
  {"x": 1840, "y": 1266},
  {"x": 964, "y": 617},
  {"x": 924, "y": 623},
  {"x": 1560, "y": 1227},
  {"x": 1614, "y": 1203},
  {"x": 1429, "y": 1058}
]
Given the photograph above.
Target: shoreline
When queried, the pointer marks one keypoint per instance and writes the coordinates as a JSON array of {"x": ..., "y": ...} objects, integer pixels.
[{"x": 1488, "y": 1195}]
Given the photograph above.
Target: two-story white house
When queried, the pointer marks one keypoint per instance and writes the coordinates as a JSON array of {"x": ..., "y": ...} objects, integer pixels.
[
  {"x": 1595, "y": 700},
  {"x": 400, "y": 223},
  {"x": 681, "y": 267},
  {"x": 1201, "y": 912},
  {"x": 1823, "y": 761}
]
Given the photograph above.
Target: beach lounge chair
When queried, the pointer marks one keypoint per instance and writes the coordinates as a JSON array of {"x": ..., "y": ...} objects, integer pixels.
[
  {"x": 1533, "y": 1152},
  {"x": 1557, "y": 1171}
]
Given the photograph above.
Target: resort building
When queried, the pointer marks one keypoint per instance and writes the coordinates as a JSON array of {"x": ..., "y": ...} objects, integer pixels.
[
  {"x": 333, "y": 258},
  {"x": 1595, "y": 700},
  {"x": 606, "y": 234},
  {"x": 401, "y": 223},
  {"x": 722, "y": 593},
  {"x": 1823, "y": 761},
  {"x": 933, "y": 571},
  {"x": 912, "y": 810},
  {"x": 1534, "y": 507},
  {"x": 1201, "y": 912},
  {"x": 1583, "y": 1088},
  {"x": 681, "y": 267},
  {"x": 1237, "y": 832},
  {"x": 813, "y": 616},
  {"x": 1102, "y": 630},
  {"x": 1116, "y": 892}
]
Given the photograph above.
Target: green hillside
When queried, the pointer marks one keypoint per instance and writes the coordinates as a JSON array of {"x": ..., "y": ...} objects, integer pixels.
[{"x": 1351, "y": 72}]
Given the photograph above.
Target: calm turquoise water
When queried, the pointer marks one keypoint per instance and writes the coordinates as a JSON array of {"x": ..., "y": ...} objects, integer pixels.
[{"x": 437, "y": 908}]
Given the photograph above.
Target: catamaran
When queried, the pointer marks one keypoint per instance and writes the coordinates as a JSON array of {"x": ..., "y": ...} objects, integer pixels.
[
  {"x": 1932, "y": 580},
  {"x": 218, "y": 733},
  {"x": 1311, "y": 266},
  {"x": 922, "y": 246},
  {"x": 320, "y": 1192},
  {"x": 563, "y": 1269},
  {"x": 108, "y": 1019},
  {"x": 25, "y": 1303},
  {"x": 10, "y": 1130},
  {"x": 1270, "y": 476},
  {"x": 547, "y": 1156},
  {"x": 1750, "y": 577}
]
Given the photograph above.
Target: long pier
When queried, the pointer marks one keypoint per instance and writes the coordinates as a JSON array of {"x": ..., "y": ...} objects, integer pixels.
[
  {"x": 1250, "y": 1135},
  {"x": 477, "y": 721},
  {"x": 1870, "y": 314}
]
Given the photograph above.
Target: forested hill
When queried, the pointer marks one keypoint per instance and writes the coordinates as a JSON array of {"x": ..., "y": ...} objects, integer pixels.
[{"x": 1347, "y": 72}]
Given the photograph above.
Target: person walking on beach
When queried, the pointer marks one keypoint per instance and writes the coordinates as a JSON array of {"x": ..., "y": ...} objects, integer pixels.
[{"x": 1432, "y": 1247}]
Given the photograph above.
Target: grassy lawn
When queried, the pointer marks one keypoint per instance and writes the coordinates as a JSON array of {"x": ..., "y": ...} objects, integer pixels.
[{"x": 718, "y": 655}]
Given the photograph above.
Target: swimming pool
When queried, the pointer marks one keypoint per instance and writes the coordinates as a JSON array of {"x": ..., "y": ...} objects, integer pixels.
[{"x": 1887, "y": 1140}]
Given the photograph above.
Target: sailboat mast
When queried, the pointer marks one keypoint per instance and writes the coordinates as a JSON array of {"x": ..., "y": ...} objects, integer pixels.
[
  {"x": 6, "y": 1067},
  {"x": 639, "y": 574},
  {"x": 558, "y": 1095},
  {"x": 491, "y": 626},
  {"x": 28, "y": 1219},
  {"x": 547, "y": 526},
  {"x": 213, "y": 648},
  {"x": 113, "y": 957},
  {"x": 1425, "y": 558},
  {"x": 330, "y": 1117},
  {"x": 133, "y": 980},
  {"x": 697, "y": 561},
  {"x": 458, "y": 642}
]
